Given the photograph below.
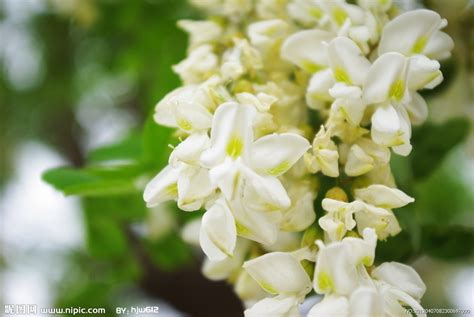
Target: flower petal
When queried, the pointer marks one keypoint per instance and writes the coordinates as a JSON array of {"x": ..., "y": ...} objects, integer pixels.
[
  {"x": 190, "y": 232},
  {"x": 231, "y": 133},
  {"x": 401, "y": 276},
  {"x": 276, "y": 153},
  {"x": 417, "y": 27},
  {"x": 383, "y": 196},
  {"x": 247, "y": 289},
  {"x": 423, "y": 73},
  {"x": 278, "y": 306},
  {"x": 200, "y": 32},
  {"x": 255, "y": 225},
  {"x": 301, "y": 213},
  {"x": 200, "y": 65},
  {"x": 218, "y": 232},
  {"x": 403, "y": 146},
  {"x": 307, "y": 50},
  {"x": 162, "y": 187},
  {"x": 358, "y": 162},
  {"x": 366, "y": 301},
  {"x": 386, "y": 126},
  {"x": 337, "y": 264},
  {"x": 318, "y": 88},
  {"x": 194, "y": 186},
  {"x": 440, "y": 46},
  {"x": 417, "y": 109},
  {"x": 263, "y": 193},
  {"x": 220, "y": 270},
  {"x": 383, "y": 221},
  {"x": 164, "y": 110},
  {"x": 279, "y": 273},
  {"x": 227, "y": 177},
  {"x": 331, "y": 306},
  {"x": 192, "y": 117},
  {"x": 399, "y": 300},
  {"x": 347, "y": 62},
  {"x": 189, "y": 151},
  {"x": 386, "y": 79}
]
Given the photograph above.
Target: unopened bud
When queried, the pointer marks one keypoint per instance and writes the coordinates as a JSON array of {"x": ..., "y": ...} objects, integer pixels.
[{"x": 337, "y": 193}]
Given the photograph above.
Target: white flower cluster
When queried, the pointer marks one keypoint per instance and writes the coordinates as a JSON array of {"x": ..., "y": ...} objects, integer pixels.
[{"x": 261, "y": 78}]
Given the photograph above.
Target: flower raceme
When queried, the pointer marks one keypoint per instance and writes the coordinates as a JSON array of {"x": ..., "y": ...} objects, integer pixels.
[{"x": 277, "y": 98}]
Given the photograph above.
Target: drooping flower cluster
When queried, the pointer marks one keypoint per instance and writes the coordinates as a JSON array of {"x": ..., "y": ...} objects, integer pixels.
[{"x": 261, "y": 80}]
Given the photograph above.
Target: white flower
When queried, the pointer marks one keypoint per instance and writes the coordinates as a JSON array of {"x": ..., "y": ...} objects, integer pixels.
[
  {"x": 343, "y": 115},
  {"x": 248, "y": 289},
  {"x": 179, "y": 109},
  {"x": 307, "y": 50},
  {"x": 348, "y": 64},
  {"x": 190, "y": 108},
  {"x": 306, "y": 12},
  {"x": 240, "y": 59},
  {"x": 325, "y": 156},
  {"x": 386, "y": 85},
  {"x": 300, "y": 214},
  {"x": 339, "y": 218},
  {"x": 270, "y": 9},
  {"x": 246, "y": 171},
  {"x": 262, "y": 102},
  {"x": 339, "y": 13},
  {"x": 232, "y": 142},
  {"x": 181, "y": 180},
  {"x": 331, "y": 306},
  {"x": 378, "y": 200},
  {"x": 278, "y": 306},
  {"x": 218, "y": 233},
  {"x": 234, "y": 9},
  {"x": 364, "y": 155},
  {"x": 317, "y": 94},
  {"x": 421, "y": 35},
  {"x": 391, "y": 288},
  {"x": 267, "y": 36},
  {"x": 379, "y": 5},
  {"x": 383, "y": 196},
  {"x": 190, "y": 232},
  {"x": 201, "y": 32},
  {"x": 339, "y": 264},
  {"x": 371, "y": 209},
  {"x": 223, "y": 269},
  {"x": 280, "y": 274},
  {"x": 200, "y": 64},
  {"x": 251, "y": 73}
]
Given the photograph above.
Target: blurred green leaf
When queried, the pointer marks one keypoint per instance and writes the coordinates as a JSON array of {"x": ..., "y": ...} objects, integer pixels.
[
  {"x": 169, "y": 252},
  {"x": 398, "y": 248},
  {"x": 432, "y": 142},
  {"x": 448, "y": 243},
  {"x": 443, "y": 198},
  {"x": 127, "y": 149},
  {"x": 94, "y": 181},
  {"x": 155, "y": 144},
  {"x": 105, "y": 236}
]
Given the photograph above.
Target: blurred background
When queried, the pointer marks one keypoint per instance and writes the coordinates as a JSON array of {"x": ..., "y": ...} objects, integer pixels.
[{"x": 78, "y": 80}]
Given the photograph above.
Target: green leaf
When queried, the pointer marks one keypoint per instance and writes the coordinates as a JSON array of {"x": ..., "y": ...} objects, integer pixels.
[
  {"x": 448, "y": 243},
  {"x": 155, "y": 144},
  {"x": 127, "y": 149},
  {"x": 94, "y": 181},
  {"x": 169, "y": 252},
  {"x": 432, "y": 142},
  {"x": 105, "y": 237},
  {"x": 398, "y": 248}
]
